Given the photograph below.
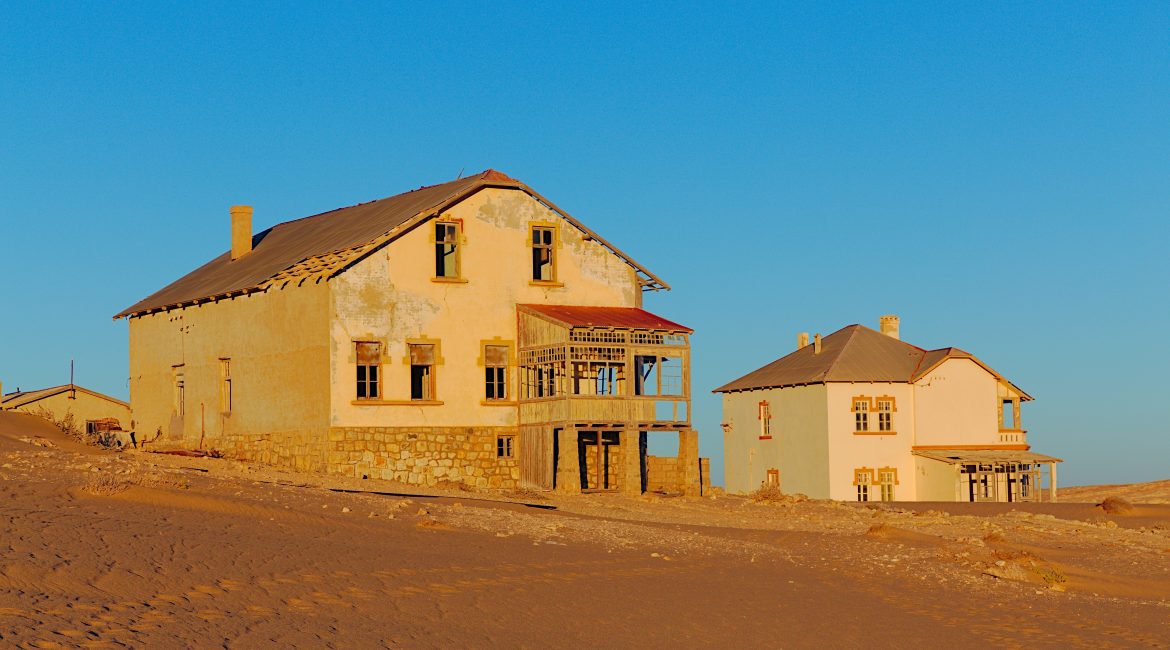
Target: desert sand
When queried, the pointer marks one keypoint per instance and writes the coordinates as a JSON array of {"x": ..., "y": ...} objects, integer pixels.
[{"x": 103, "y": 549}]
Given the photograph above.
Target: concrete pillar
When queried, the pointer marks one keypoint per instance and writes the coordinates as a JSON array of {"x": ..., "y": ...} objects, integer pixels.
[
  {"x": 688, "y": 463},
  {"x": 630, "y": 479},
  {"x": 1052, "y": 482},
  {"x": 568, "y": 463}
]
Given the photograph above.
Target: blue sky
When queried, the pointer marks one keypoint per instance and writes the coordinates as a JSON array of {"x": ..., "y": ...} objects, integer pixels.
[{"x": 996, "y": 174}]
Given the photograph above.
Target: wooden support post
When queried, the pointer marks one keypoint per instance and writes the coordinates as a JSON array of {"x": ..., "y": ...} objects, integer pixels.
[
  {"x": 568, "y": 463},
  {"x": 1052, "y": 482}
]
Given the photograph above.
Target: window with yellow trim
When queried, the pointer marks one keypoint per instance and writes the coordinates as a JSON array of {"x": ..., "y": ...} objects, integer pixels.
[
  {"x": 861, "y": 414},
  {"x": 862, "y": 478},
  {"x": 885, "y": 408},
  {"x": 543, "y": 243},
  {"x": 495, "y": 362},
  {"x": 447, "y": 235},
  {"x": 369, "y": 369},
  {"x": 887, "y": 479},
  {"x": 422, "y": 371}
]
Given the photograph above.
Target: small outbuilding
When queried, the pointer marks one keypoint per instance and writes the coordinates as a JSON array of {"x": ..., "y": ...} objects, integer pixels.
[{"x": 86, "y": 410}]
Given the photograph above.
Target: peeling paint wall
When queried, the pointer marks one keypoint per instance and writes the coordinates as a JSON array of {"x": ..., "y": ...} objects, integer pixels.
[{"x": 390, "y": 297}]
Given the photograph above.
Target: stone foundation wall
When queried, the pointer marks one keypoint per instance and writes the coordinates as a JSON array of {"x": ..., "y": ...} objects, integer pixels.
[
  {"x": 663, "y": 474},
  {"x": 304, "y": 451},
  {"x": 425, "y": 456}
]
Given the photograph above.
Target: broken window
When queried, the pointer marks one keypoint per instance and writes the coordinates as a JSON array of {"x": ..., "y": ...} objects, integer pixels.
[
  {"x": 495, "y": 361},
  {"x": 658, "y": 375},
  {"x": 225, "y": 385},
  {"x": 885, "y": 409},
  {"x": 446, "y": 249},
  {"x": 543, "y": 241},
  {"x": 180, "y": 390},
  {"x": 862, "y": 478},
  {"x": 1009, "y": 414},
  {"x": 887, "y": 479},
  {"x": 599, "y": 378},
  {"x": 422, "y": 371},
  {"x": 369, "y": 363},
  {"x": 861, "y": 414},
  {"x": 504, "y": 446},
  {"x": 765, "y": 420}
]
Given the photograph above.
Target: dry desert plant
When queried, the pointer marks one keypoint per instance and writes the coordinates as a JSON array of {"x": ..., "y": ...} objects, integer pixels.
[{"x": 1116, "y": 506}]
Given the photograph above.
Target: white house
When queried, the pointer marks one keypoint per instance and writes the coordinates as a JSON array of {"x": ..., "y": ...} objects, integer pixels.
[{"x": 861, "y": 415}]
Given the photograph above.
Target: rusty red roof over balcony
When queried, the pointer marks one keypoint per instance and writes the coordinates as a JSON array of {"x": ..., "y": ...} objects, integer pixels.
[{"x": 615, "y": 317}]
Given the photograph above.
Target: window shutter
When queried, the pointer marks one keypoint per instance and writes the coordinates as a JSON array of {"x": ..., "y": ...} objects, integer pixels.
[
  {"x": 422, "y": 355},
  {"x": 369, "y": 353}
]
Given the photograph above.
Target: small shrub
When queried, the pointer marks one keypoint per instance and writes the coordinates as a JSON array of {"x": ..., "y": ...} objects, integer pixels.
[{"x": 1116, "y": 506}]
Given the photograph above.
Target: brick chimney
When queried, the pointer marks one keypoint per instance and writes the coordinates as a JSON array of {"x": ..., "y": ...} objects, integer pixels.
[
  {"x": 241, "y": 230},
  {"x": 817, "y": 344},
  {"x": 801, "y": 340},
  {"x": 889, "y": 326}
]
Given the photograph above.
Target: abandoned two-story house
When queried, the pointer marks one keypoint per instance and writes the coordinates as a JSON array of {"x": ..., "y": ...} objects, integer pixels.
[
  {"x": 861, "y": 415},
  {"x": 469, "y": 332}
]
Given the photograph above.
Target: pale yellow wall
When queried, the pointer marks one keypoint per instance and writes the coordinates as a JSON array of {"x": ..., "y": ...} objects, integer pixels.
[
  {"x": 390, "y": 297},
  {"x": 278, "y": 344},
  {"x": 848, "y": 451},
  {"x": 798, "y": 448},
  {"x": 83, "y": 406},
  {"x": 936, "y": 480},
  {"x": 957, "y": 405}
]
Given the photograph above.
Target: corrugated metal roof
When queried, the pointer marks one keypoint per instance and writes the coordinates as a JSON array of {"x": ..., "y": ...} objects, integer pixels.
[
  {"x": 960, "y": 456},
  {"x": 327, "y": 243},
  {"x": 852, "y": 353},
  {"x": 14, "y": 400},
  {"x": 616, "y": 317}
]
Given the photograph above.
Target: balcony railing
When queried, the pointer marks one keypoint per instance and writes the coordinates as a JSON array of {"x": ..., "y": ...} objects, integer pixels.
[{"x": 1013, "y": 437}]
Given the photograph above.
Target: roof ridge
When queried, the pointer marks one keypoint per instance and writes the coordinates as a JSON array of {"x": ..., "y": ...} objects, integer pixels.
[{"x": 833, "y": 363}]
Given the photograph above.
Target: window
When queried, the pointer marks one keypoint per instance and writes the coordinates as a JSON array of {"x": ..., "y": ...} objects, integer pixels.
[
  {"x": 369, "y": 364},
  {"x": 504, "y": 446},
  {"x": 180, "y": 389},
  {"x": 495, "y": 361},
  {"x": 1008, "y": 415},
  {"x": 773, "y": 478},
  {"x": 861, "y": 413},
  {"x": 447, "y": 249},
  {"x": 543, "y": 262},
  {"x": 862, "y": 478},
  {"x": 225, "y": 385},
  {"x": 887, "y": 479},
  {"x": 658, "y": 375},
  {"x": 765, "y": 420},
  {"x": 885, "y": 407},
  {"x": 422, "y": 371},
  {"x": 598, "y": 378}
]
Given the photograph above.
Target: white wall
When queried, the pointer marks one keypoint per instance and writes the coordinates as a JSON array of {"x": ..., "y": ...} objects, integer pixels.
[
  {"x": 957, "y": 404},
  {"x": 849, "y": 451},
  {"x": 936, "y": 480}
]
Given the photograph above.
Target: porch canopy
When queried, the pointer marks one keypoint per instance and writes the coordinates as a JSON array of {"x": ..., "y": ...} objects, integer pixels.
[{"x": 985, "y": 456}]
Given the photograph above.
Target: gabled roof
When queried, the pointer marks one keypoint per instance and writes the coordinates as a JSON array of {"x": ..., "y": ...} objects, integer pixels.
[
  {"x": 852, "y": 353},
  {"x": 321, "y": 246},
  {"x": 615, "y": 317},
  {"x": 23, "y": 398}
]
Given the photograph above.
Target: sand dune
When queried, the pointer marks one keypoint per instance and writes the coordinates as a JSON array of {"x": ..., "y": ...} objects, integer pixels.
[
  {"x": 144, "y": 550},
  {"x": 1152, "y": 492}
]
